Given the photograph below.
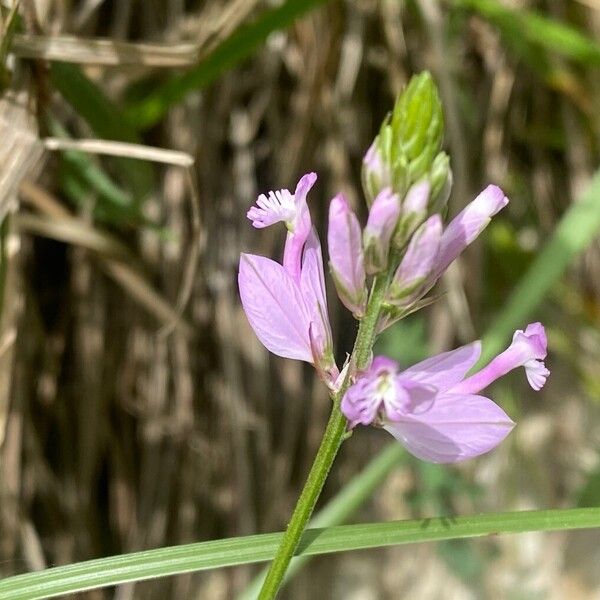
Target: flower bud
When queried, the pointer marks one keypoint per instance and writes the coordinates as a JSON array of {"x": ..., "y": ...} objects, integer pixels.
[
  {"x": 375, "y": 174},
  {"x": 440, "y": 177},
  {"x": 408, "y": 143},
  {"x": 414, "y": 212},
  {"x": 417, "y": 126},
  {"x": 417, "y": 264},
  {"x": 346, "y": 256},
  {"x": 382, "y": 221}
]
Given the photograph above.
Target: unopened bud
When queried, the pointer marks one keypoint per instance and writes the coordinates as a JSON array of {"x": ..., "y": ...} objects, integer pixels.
[
  {"x": 346, "y": 256},
  {"x": 411, "y": 277},
  {"x": 440, "y": 177},
  {"x": 382, "y": 221},
  {"x": 376, "y": 175},
  {"x": 414, "y": 212},
  {"x": 408, "y": 142}
]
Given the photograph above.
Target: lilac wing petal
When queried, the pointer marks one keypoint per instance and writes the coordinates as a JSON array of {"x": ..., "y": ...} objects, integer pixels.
[
  {"x": 446, "y": 369},
  {"x": 312, "y": 287},
  {"x": 452, "y": 429},
  {"x": 275, "y": 308},
  {"x": 312, "y": 278}
]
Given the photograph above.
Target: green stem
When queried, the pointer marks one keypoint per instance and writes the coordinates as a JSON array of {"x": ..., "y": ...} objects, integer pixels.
[{"x": 330, "y": 444}]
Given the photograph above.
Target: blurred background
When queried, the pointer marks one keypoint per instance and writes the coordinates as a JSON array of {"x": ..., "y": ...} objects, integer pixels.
[{"x": 137, "y": 408}]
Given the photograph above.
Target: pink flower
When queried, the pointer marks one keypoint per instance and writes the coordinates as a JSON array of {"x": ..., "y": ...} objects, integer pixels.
[
  {"x": 418, "y": 263},
  {"x": 382, "y": 221},
  {"x": 346, "y": 259},
  {"x": 286, "y": 305},
  {"x": 433, "y": 409},
  {"x": 292, "y": 209},
  {"x": 430, "y": 252},
  {"x": 467, "y": 225}
]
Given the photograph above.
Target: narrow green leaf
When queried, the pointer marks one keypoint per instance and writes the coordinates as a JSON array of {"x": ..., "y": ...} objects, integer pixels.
[
  {"x": 537, "y": 29},
  {"x": 256, "y": 548},
  {"x": 577, "y": 229},
  {"x": 240, "y": 45},
  {"x": 106, "y": 120},
  {"x": 84, "y": 181}
]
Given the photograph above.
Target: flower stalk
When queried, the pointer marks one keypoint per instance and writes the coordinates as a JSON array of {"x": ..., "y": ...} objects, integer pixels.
[{"x": 330, "y": 444}]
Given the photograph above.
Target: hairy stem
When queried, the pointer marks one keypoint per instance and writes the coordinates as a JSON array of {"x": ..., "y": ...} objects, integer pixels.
[{"x": 332, "y": 439}]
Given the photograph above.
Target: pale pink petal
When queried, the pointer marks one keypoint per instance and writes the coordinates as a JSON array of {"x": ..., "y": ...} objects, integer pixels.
[
  {"x": 312, "y": 287},
  {"x": 274, "y": 307},
  {"x": 452, "y": 428},
  {"x": 304, "y": 186},
  {"x": 312, "y": 278},
  {"x": 468, "y": 224},
  {"x": 277, "y": 206},
  {"x": 417, "y": 264},
  {"x": 346, "y": 255},
  {"x": 299, "y": 229},
  {"x": 526, "y": 350},
  {"x": 382, "y": 221},
  {"x": 416, "y": 199},
  {"x": 536, "y": 373},
  {"x": 444, "y": 370},
  {"x": 382, "y": 363},
  {"x": 360, "y": 403}
]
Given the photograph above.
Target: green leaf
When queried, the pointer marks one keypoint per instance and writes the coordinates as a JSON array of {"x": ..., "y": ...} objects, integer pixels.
[
  {"x": 83, "y": 181},
  {"x": 257, "y": 548},
  {"x": 538, "y": 30},
  {"x": 106, "y": 120},
  {"x": 240, "y": 45}
]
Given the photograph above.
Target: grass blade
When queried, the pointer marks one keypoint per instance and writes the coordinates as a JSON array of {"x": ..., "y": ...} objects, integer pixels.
[
  {"x": 106, "y": 120},
  {"x": 352, "y": 496},
  {"x": 230, "y": 52},
  {"x": 257, "y": 548},
  {"x": 538, "y": 30}
]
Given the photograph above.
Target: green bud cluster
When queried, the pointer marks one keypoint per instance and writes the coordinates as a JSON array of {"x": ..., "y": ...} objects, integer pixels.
[{"x": 408, "y": 147}]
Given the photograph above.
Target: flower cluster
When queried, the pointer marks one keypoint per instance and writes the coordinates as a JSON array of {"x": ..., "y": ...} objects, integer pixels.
[{"x": 432, "y": 408}]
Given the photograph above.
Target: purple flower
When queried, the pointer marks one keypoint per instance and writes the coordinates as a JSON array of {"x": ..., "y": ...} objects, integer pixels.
[
  {"x": 417, "y": 264},
  {"x": 286, "y": 305},
  {"x": 433, "y": 409},
  {"x": 467, "y": 225},
  {"x": 429, "y": 252},
  {"x": 292, "y": 209},
  {"x": 346, "y": 255},
  {"x": 383, "y": 218},
  {"x": 528, "y": 349}
]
